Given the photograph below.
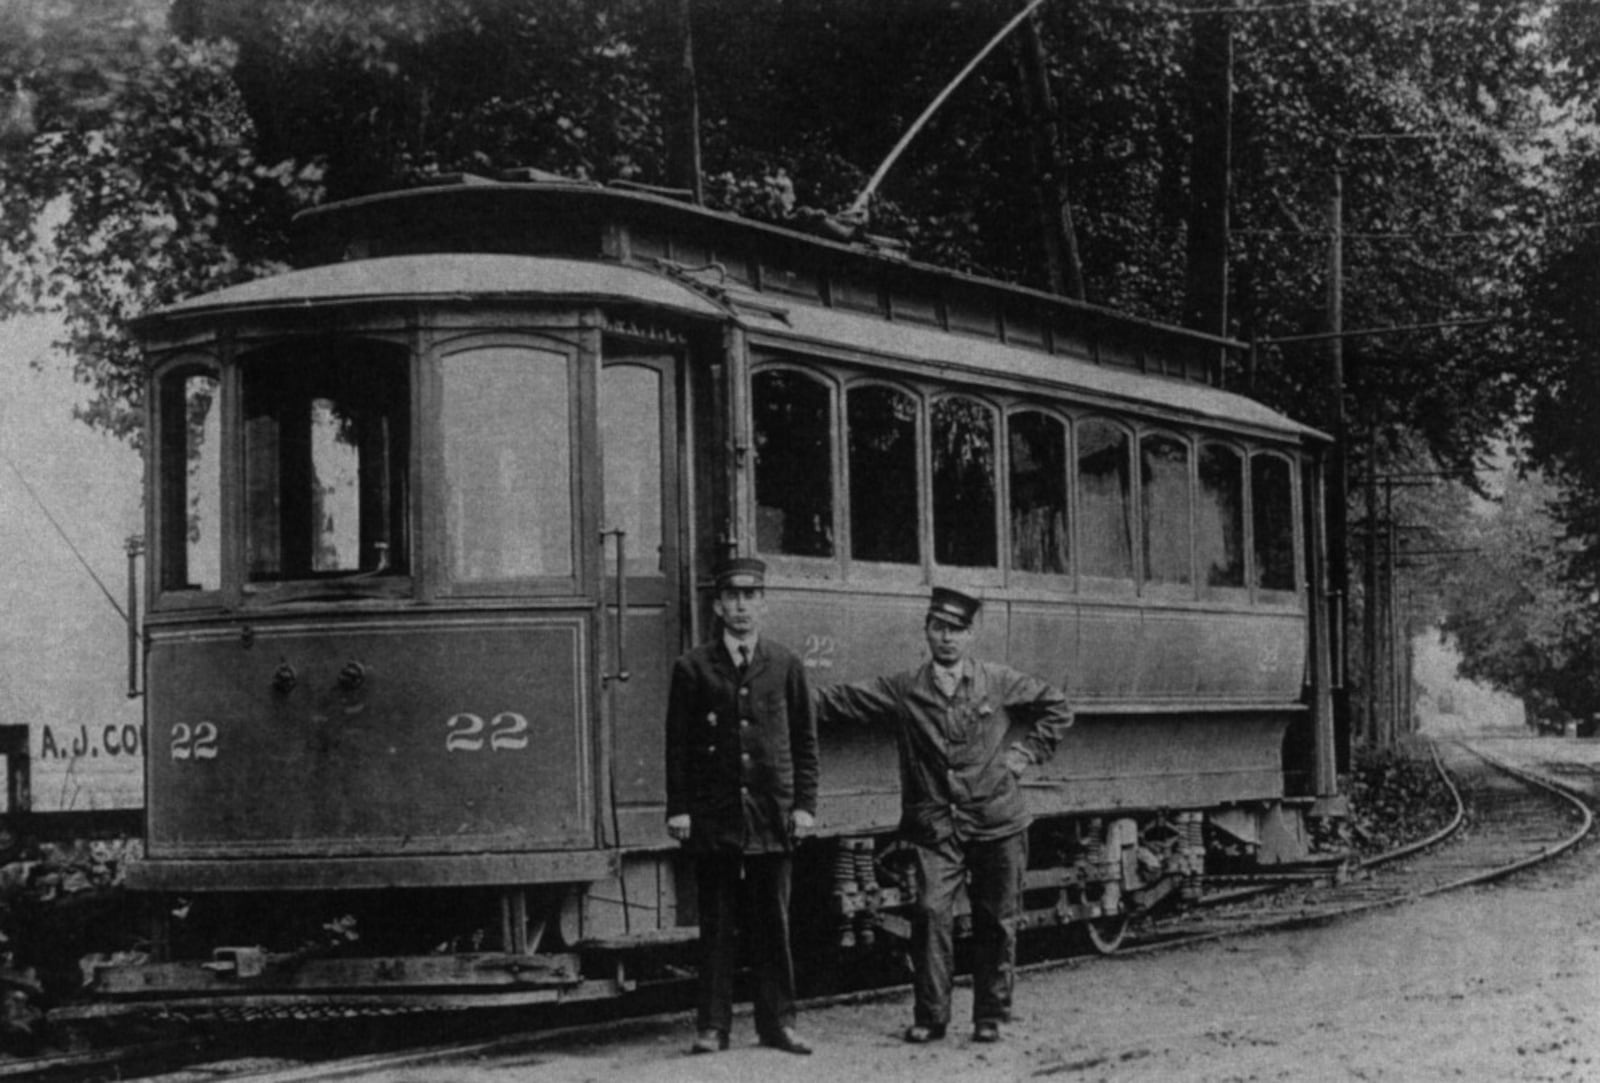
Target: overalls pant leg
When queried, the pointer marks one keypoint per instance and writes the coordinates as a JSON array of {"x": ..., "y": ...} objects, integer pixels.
[
  {"x": 994, "y": 889},
  {"x": 940, "y": 873}
]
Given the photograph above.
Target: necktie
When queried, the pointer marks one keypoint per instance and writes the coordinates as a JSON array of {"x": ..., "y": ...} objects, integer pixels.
[{"x": 744, "y": 659}]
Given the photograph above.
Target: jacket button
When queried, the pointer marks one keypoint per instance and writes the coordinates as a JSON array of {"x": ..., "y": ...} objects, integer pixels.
[
  {"x": 744, "y": 691},
  {"x": 744, "y": 721},
  {"x": 711, "y": 748}
]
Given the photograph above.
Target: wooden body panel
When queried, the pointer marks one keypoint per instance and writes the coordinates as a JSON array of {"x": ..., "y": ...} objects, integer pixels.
[{"x": 464, "y": 735}]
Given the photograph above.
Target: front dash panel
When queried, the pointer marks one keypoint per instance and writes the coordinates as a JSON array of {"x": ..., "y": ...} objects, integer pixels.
[{"x": 388, "y": 737}]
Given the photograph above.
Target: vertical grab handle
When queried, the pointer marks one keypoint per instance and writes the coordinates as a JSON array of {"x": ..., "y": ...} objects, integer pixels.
[
  {"x": 622, "y": 673},
  {"x": 134, "y": 548}
]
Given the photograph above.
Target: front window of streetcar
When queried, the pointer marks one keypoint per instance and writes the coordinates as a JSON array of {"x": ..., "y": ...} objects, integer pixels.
[
  {"x": 325, "y": 437},
  {"x": 508, "y": 465},
  {"x": 190, "y": 454}
]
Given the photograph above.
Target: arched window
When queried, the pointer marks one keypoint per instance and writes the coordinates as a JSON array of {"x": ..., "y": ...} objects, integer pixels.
[
  {"x": 882, "y": 425},
  {"x": 191, "y": 479},
  {"x": 964, "y": 494},
  {"x": 1039, "y": 538},
  {"x": 1219, "y": 517},
  {"x": 794, "y": 463},
  {"x": 1272, "y": 504},
  {"x": 1164, "y": 477},
  {"x": 1105, "y": 500}
]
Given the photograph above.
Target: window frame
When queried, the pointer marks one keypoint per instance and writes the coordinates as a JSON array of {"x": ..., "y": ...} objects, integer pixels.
[
  {"x": 1062, "y": 581},
  {"x": 1164, "y": 589},
  {"x": 977, "y": 575},
  {"x": 1223, "y": 593},
  {"x": 182, "y": 366},
  {"x": 341, "y": 587},
  {"x": 1104, "y": 585},
  {"x": 842, "y": 375},
  {"x": 1264, "y": 596},
  {"x": 794, "y": 563},
  {"x": 883, "y": 570},
  {"x": 579, "y": 390}
]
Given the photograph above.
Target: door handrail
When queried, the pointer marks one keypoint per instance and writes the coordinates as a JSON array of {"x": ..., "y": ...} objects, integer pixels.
[{"x": 622, "y": 673}]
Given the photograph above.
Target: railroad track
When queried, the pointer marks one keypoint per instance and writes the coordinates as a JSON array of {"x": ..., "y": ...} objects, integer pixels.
[{"x": 1507, "y": 819}]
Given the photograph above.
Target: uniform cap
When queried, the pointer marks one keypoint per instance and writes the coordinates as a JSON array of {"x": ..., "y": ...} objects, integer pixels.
[
  {"x": 953, "y": 607},
  {"x": 744, "y": 573}
]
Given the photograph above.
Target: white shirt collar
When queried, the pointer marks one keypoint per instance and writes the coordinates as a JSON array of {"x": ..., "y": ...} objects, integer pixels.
[
  {"x": 948, "y": 678},
  {"x": 732, "y": 644}
]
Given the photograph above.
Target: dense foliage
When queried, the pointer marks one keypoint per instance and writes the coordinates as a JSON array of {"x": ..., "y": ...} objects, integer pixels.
[{"x": 155, "y": 148}]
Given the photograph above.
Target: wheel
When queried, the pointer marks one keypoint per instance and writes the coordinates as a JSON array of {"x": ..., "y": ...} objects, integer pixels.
[{"x": 1105, "y": 935}]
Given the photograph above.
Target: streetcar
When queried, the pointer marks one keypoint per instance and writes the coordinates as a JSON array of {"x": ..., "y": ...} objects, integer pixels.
[{"x": 430, "y": 516}]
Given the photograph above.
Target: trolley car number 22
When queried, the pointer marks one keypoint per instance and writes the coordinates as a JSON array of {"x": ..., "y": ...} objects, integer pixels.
[
  {"x": 507, "y": 731},
  {"x": 197, "y": 742}
]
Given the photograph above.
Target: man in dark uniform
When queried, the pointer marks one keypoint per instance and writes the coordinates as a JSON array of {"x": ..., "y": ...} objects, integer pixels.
[
  {"x": 741, "y": 787},
  {"x": 962, "y": 806}
]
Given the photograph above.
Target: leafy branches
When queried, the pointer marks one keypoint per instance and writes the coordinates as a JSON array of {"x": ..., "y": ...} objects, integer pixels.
[{"x": 136, "y": 185}]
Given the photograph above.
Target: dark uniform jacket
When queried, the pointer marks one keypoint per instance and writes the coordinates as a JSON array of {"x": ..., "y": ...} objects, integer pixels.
[
  {"x": 953, "y": 774},
  {"x": 741, "y": 754}
]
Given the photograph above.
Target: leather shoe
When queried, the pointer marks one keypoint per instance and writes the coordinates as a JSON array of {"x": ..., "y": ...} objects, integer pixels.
[
  {"x": 986, "y": 1032},
  {"x": 709, "y": 1041},
  {"x": 786, "y": 1039},
  {"x": 923, "y": 1033}
]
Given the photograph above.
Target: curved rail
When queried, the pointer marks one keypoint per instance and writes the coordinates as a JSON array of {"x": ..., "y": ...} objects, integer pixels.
[
  {"x": 1257, "y": 921},
  {"x": 1416, "y": 847}
]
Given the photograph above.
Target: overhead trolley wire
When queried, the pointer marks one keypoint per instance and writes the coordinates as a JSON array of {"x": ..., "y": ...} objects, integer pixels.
[{"x": 64, "y": 537}]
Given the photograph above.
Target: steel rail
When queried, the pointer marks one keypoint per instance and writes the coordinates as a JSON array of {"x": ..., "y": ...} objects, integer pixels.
[{"x": 360, "y": 1066}]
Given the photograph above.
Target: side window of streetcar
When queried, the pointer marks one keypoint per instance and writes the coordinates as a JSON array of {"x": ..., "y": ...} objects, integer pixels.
[
  {"x": 191, "y": 481},
  {"x": 1038, "y": 493},
  {"x": 1105, "y": 500},
  {"x": 964, "y": 493},
  {"x": 1219, "y": 526},
  {"x": 1164, "y": 475},
  {"x": 883, "y": 475},
  {"x": 507, "y": 464},
  {"x": 326, "y": 432},
  {"x": 794, "y": 463},
  {"x": 1272, "y": 504}
]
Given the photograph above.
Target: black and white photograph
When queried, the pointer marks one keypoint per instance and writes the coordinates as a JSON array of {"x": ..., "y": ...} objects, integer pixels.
[{"x": 678, "y": 541}]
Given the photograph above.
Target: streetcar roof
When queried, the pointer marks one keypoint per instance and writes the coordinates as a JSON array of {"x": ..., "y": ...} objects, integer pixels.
[
  {"x": 441, "y": 277},
  {"x": 807, "y": 327}
]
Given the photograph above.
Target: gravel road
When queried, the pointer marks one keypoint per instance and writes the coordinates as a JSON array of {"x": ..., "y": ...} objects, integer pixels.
[{"x": 1493, "y": 984}]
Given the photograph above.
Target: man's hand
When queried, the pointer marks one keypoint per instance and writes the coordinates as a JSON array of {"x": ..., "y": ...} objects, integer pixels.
[
  {"x": 1017, "y": 761},
  {"x": 801, "y": 823},
  {"x": 678, "y": 826}
]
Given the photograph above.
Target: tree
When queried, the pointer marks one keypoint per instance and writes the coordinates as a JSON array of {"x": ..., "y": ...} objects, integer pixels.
[
  {"x": 128, "y": 180},
  {"x": 801, "y": 99},
  {"x": 1518, "y": 624}
]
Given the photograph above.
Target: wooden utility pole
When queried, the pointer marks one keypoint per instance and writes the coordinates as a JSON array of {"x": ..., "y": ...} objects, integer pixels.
[
  {"x": 1065, "y": 268},
  {"x": 1210, "y": 173},
  {"x": 683, "y": 112},
  {"x": 1338, "y": 481}
]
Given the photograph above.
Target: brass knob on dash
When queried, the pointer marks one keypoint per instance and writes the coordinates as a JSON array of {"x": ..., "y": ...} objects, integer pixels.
[
  {"x": 284, "y": 679},
  {"x": 352, "y": 676}
]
